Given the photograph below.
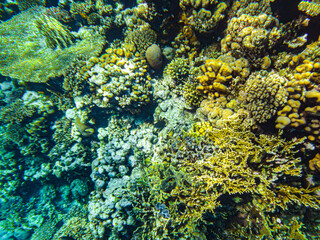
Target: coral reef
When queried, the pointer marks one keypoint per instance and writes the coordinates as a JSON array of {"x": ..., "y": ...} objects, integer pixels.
[{"x": 186, "y": 119}]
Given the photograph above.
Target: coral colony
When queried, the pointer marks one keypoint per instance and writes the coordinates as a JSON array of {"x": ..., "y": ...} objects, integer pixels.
[{"x": 158, "y": 119}]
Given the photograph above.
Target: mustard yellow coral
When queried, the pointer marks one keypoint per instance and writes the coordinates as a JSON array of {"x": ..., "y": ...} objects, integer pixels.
[
  {"x": 215, "y": 79},
  {"x": 311, "y": 8}
]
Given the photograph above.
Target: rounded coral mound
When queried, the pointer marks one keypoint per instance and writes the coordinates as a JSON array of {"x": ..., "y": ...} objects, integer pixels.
[{"x": 264, "y": 93}]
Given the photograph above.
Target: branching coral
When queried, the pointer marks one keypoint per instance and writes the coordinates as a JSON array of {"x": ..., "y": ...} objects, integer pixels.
[
  {"x": 311, "y": 8},
  {"x": 202, "y": 169}
]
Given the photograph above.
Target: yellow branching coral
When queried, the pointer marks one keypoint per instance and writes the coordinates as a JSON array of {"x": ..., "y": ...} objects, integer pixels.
[
  {"x": 311, "y": 8},
  {"x": 227, "y": 161}
]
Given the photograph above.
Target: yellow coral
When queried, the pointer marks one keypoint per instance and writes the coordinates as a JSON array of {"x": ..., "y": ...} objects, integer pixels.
[
  {"x": 314, "y": 164},
  {"x": 311, "y": 8},
  {"x": 215, "y": 78}
]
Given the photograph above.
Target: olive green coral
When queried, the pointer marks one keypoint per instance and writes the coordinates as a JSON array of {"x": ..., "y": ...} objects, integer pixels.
[
  {"x": 26, "y": 57},
  {"x": 178, "y": 69},
  {"x": 54, "y": 33}
]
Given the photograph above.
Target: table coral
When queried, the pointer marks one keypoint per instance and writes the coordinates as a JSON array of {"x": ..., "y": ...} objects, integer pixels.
[
  {"x": 26, "y": 57},
  {"x": 55, "y": 34}
]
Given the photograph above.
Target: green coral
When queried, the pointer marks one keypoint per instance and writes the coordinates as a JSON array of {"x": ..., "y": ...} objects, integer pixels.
[
  {"x": 55, "y": 34},
  {"x": 178, "y": 69}
]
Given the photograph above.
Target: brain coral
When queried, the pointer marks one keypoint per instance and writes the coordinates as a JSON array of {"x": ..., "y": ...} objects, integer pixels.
[
  {"x": 264, "y": 94},
  {"x": 24, "y": 53}
]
